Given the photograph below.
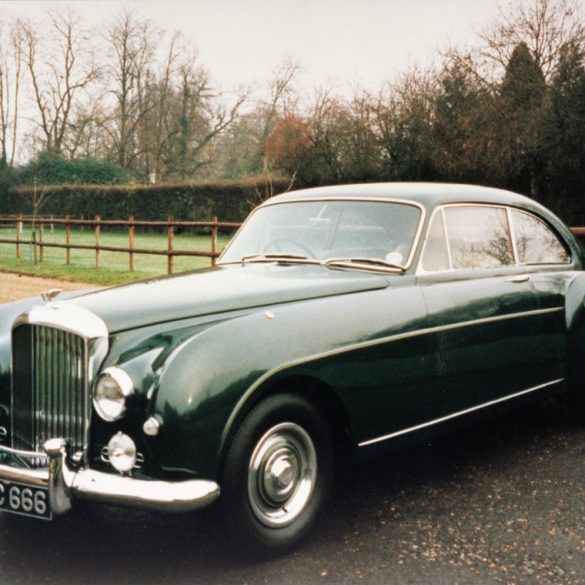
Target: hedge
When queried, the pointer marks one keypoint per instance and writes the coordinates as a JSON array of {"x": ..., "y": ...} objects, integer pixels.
[
  {"x": 187, "y": 201},
  {"x": 52, "y": 170}
]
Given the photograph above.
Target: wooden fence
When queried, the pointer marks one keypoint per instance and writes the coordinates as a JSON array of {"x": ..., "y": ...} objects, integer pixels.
[{"x": 39, "y": 224}]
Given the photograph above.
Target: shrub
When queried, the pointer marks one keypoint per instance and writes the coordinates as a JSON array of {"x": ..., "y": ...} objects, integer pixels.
[
  {"x": 183, "y": 201},
  {"x": 51, "y": 170}
]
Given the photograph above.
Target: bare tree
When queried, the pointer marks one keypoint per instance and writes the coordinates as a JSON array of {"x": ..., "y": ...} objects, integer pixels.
[
  {"x": 282, "y": 97},
  {"x": 87, "y": 134},
  {"x": 404, "y": 125},
  {"x": 196, "y": 117},
  {"x": 133, "y": 43},
  {"x": 545, "y": 26},
  {"x": 60, "y": 65},
  {"x": 156, "y": 128},
  {"x": 344, "y": 141},
  {"x": 249, "y": 135},
  {"x": 11, "y": 71}
]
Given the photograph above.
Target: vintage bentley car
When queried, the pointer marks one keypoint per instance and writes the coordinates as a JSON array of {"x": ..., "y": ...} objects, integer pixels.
[{"x": 339, "y": 320}]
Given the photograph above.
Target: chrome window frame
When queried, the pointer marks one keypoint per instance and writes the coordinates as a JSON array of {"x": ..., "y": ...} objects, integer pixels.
[
  {"x": 415, "y": 241},
  {"x": 512, "y": 228},
  {"x": 438, "y": 211},
  {"x": 550, "y": 229},
  {"x": 420, "y": 270}
]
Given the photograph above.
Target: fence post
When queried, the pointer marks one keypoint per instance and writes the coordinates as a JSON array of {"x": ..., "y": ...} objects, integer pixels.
[
  {"x": 214, "y": 240},
  {"x": 41, "y": 248},
  {"x": 170, "y": 238},
  {"x": 52, "y": 224},
  {"x": 68, "y": 240},
  {"x": 41, "y": 240},
  {"x": 18, "y": 229},
  {"x": 97, "y": 240},
  {"x": 33, "y": 243},
  {"x": 131, "y": 232}
]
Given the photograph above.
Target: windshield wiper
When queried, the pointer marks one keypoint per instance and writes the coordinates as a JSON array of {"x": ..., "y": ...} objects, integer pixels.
[
  {"x": 365, "y": 263},
  {"x": 278, "y": 258},
  {"x": 376, "y": 264}
]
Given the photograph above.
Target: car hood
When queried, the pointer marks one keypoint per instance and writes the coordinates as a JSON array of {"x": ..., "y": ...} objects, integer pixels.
[{"x": 228, "y": 288}]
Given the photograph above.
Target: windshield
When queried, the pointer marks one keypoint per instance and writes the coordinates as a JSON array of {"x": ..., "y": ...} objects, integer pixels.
[{"x": 324, "y": 230}]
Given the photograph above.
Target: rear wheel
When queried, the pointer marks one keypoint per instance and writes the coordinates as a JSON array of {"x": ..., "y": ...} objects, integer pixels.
[{"x": 277, "y": 475}]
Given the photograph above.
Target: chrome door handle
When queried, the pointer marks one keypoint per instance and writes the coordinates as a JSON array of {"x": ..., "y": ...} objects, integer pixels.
[{"x": 519, "y": 278}]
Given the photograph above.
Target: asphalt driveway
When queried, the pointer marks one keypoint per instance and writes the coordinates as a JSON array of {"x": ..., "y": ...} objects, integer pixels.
[{"x": 502, "y": 502}]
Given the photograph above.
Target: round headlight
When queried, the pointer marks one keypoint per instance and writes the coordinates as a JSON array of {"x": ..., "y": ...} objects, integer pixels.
[
  {"x": 112, "y": 389},
  {"x": 122, "y": 452}
]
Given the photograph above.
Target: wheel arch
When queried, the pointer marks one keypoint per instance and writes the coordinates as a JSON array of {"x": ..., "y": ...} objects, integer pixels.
[{"x": 314, "y": 391}]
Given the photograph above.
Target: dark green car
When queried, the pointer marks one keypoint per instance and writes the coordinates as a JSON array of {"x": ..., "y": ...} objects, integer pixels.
[{"x": 339, "y": 320}]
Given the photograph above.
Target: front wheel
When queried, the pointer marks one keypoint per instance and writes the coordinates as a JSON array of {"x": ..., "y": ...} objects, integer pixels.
[{"x": 277, "y": 475}]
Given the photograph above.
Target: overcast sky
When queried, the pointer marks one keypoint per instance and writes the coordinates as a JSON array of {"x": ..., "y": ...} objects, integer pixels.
[{"x": 343, "y": 43}]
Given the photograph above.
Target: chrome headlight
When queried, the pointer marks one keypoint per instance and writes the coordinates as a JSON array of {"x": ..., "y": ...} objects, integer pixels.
[{"x": 112, "y": 389}]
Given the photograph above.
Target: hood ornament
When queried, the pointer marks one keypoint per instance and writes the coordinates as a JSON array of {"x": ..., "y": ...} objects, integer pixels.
[{"x": 51, "y": 294}]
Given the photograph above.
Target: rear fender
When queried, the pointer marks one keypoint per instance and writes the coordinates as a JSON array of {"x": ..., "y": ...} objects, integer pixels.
[{"x": 575, "y": 320}]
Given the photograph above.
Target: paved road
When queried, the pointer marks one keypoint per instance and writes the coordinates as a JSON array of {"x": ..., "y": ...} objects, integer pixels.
[{"x": 502, "y": 502}]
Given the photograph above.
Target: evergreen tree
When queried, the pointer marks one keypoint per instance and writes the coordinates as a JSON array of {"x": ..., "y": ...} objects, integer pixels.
[
  {"x": 521, "y": 98},
  {"x": 564, "y": 137},
  {"x": 461, "y": 136}
]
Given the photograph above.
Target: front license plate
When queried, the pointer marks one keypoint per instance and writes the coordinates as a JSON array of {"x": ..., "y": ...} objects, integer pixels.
[{"x": 25, "y": 499}]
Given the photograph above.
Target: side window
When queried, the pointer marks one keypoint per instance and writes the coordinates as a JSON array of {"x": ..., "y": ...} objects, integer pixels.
[
  {"x": 479, "y": 237},
  {"x": 436, "y": 254},
  {"x": 535, "y": 241}
]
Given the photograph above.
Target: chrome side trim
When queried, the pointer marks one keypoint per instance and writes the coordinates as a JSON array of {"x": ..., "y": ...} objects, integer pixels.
[
  {"x": 373, "y": 343},
  {"x": 457, "y": 414}
]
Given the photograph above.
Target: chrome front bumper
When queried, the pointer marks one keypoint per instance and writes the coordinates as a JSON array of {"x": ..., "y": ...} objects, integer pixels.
[{"x": 65, "y": 484}]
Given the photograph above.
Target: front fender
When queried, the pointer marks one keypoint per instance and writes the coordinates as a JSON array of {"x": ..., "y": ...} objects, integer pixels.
[
  {"x": 205, "y": 379},
  {"x": 214, "y": 376}
]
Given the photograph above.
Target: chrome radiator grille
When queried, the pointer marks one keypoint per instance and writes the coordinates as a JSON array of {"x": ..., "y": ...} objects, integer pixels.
[{"x": 49, "y": 396}]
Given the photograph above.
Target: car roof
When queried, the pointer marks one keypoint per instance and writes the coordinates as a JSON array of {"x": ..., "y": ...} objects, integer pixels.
[
  {"x": 427, "y": 194},
  {"x": 431, "y": 195}
]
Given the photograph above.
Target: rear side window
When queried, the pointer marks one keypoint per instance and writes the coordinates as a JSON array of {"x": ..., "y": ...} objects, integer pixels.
[
  {"x": 535, "y": 242},
  {"x": 478, "y": 237}
]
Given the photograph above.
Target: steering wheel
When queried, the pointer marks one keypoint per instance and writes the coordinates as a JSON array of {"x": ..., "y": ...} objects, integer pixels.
[{"x": 278, "y": 243}]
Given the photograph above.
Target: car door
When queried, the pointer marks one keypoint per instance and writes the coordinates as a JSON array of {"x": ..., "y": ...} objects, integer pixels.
[
  {"x": 483, "y": 310},
  {"x": 546, "y": 261}
]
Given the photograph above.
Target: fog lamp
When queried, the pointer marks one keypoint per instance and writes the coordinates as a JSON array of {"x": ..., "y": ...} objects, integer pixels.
[
  {"x": 122, "y": 452},
  {"x": 112, "y": 389}
]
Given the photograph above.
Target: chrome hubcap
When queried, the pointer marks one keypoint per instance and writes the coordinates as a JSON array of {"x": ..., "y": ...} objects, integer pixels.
[{"x": 281, "y": 474}]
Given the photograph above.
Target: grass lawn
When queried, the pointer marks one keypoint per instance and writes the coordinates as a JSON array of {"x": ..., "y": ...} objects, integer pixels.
[{"x": 114, "y": 268}]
